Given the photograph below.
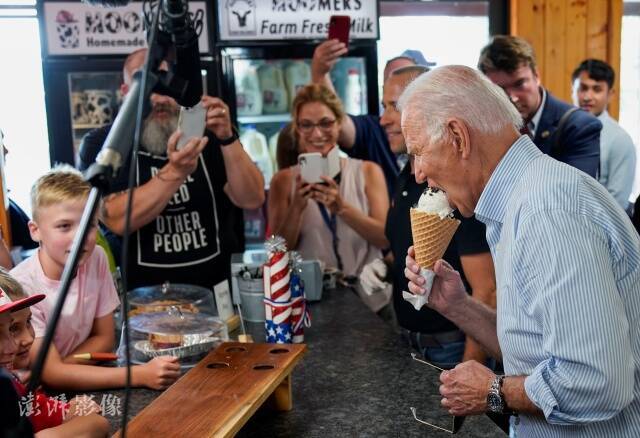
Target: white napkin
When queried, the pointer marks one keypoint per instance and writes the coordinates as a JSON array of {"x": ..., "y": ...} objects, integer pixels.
[{"x": 417, "y": 301}]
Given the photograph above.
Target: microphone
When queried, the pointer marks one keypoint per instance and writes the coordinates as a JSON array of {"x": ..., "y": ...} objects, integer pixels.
[{"x": 185, "y": 40}]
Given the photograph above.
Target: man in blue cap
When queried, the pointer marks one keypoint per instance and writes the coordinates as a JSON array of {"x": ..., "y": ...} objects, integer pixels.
[{"x": 364, "y": 136}]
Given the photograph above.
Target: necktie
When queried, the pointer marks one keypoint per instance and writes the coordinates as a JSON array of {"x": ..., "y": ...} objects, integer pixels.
[{"x": 525, "y": 130}]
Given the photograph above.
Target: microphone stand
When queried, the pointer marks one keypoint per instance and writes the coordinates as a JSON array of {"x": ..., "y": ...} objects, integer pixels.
[{"x": 116, "y": 147}]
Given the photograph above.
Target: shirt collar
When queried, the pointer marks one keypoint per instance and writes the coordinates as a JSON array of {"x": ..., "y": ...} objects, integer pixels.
[
  {"x": 604, "y": 115},
  {"x": 495, "y": 196},
  {"x": 535, "y": 120}
]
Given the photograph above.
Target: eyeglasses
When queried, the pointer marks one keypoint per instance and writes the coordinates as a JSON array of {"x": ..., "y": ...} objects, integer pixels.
[
  {"x": 307, "y": 127},
  {"x": 456, "y": 422}
]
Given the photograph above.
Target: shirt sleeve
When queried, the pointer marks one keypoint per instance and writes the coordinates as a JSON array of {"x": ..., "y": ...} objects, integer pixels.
[
  {"x": 364, "y": 137},
  {"x": 108, "y": 300},
  {"x": 22, "y": 273},
  {"x": 48, "y": 412},
  {"x": 622, "y": 168},
  {"x": 581, "y": 143},
  {"x": 567, "y": 290}
]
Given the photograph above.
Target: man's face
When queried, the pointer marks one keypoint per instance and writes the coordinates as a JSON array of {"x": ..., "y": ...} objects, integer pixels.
[
  {"x": 523, "y": 88},
  {"x": 390, "y": 120},
  {"x": 591, "y": 95},
  {"x": 437, "y": 162}
]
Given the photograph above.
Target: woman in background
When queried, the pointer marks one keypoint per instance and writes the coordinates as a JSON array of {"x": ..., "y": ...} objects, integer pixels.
[{"x": 340, "y": 221}]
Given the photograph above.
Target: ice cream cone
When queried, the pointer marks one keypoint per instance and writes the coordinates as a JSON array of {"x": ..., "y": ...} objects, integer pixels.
[{"x": 431, "y": 236}]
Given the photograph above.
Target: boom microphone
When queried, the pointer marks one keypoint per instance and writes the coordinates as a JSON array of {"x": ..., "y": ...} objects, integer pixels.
[{"x": 185, "y": 40}]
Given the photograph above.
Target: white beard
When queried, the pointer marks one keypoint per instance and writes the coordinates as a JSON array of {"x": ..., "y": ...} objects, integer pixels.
[{"x": 155, "y": 134}]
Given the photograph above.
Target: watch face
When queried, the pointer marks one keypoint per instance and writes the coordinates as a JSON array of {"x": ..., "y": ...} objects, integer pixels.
[{"x": 494, "y": 402}]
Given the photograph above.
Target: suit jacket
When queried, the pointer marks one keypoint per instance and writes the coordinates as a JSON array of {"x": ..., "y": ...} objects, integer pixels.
[{"x": 580, "y": 140}]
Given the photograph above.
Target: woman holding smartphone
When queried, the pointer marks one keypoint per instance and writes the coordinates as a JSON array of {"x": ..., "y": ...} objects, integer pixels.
[{"x": 341, "y": 220}]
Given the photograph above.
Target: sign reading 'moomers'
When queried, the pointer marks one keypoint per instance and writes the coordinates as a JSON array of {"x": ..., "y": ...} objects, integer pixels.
[
  {"x": 75, "y": 28},
  {"x": 293, "y": 19}
]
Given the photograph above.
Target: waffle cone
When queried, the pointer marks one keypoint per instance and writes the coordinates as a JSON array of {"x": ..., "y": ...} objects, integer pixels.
[{"x": 431, "y": 236}]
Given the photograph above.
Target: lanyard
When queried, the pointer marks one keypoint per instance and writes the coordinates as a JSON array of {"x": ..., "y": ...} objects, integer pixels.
[{"x": 331, "y": 223}]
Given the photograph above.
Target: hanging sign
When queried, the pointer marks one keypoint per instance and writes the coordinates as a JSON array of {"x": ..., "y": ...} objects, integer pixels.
[
  {"x": 76, "y": 28},
  {"x": 293, "y": 19}
]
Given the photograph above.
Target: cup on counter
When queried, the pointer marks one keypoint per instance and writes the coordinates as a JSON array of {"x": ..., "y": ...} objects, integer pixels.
[{"x": 251, "y": 299}]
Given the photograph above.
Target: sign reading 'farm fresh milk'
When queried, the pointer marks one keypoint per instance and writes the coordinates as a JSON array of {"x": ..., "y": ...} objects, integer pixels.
[
  {"x": 75, "y": 28},
  {"x": 293, "y": 19}
]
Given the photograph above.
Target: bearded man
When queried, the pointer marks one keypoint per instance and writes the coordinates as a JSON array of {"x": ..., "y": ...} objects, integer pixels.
[{"x": 186, "y": 215}]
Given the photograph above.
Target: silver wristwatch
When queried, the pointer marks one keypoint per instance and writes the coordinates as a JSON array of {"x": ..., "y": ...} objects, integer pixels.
[{"x": 495, "y": 400}]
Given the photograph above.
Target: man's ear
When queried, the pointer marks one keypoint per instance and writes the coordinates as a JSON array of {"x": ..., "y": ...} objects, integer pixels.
[
  {"x": 34, "y": 231},
  {"x": 610, "y": 94},
  {"x": 459, "y": 135}
]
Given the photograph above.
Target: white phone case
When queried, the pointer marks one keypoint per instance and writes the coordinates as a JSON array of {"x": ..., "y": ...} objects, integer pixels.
[
  {"x": 312, "y": 167},
  {"x": 192, "y": 122}
]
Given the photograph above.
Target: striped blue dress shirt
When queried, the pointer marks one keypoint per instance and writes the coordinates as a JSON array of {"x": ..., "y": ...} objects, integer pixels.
[{"x": 567, "y": 263}]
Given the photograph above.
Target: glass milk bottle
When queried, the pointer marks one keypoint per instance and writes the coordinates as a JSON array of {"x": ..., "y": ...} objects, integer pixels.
[{"x": 353, "y": 93}]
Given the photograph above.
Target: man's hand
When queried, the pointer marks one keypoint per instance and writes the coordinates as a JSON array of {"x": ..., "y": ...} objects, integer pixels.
[
  {"x": 218, "y": 120},
  {"x": 159, "y": 373},
  {"x": 324, "y": 58},
  {"x": 372, "y": 277},
  {"x": 464, "y": 389},
  {"x": 184, "y": 162},
  {"x": 447, "y": 293}
]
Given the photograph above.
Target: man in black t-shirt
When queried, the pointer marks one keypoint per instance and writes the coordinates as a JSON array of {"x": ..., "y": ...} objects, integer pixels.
[
  {"x": 186, "y": 216},
  {"x": 439, "y": 340}
]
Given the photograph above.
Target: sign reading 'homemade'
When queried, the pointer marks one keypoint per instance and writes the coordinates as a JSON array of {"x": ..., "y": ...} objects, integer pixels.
[
  {"x": 75, "y": 28},
  {"x": 293, "y": 19}
]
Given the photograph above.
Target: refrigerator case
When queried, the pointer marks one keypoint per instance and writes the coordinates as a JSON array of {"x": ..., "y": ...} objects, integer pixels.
[
  {"x": 258, "y": 81},
  {"x": 259, "y": 84},
  {"x": 83, "y": 50},
  {"x": 84, "y": 94}
]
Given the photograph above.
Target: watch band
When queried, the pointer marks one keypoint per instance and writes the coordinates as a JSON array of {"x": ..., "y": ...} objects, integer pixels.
[
  {"x": 505, "y": 409},
  {"x": 229, "y": 140}
]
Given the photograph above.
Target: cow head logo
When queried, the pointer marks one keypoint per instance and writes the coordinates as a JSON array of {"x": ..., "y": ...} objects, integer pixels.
[
  {"x": 241, "y": 15},
  {"x": 68, "y": 31}
]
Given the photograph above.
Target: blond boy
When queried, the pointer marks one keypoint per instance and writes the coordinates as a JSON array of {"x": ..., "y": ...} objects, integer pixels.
[{"x": 86, "y": 324}]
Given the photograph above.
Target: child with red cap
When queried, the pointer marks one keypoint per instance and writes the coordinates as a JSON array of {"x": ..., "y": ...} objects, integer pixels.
[{"x": 81, "y": 416}]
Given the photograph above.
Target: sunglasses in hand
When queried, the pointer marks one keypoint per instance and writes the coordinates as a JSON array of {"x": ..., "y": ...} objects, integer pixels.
[{"x": 456, "y": 422}]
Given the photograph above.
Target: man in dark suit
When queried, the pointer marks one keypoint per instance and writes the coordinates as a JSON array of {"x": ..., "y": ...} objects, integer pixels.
[{"x": 510, "y": 63}]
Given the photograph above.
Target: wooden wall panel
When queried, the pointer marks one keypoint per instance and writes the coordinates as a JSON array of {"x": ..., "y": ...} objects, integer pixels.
[{"x": 564, "y": 32}]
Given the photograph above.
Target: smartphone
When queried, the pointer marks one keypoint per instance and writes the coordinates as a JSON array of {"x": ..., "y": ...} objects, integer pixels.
[
  {"x": 339, "y": 28},
  {"x": 312, "y": 166},
  {"x": 191, "y": 122}
]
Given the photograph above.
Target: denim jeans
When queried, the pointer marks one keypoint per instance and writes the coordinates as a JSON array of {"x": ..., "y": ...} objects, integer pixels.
[{"x": 446, "y": 356}]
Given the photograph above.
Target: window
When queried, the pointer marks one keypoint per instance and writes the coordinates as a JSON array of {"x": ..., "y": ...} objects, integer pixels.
[
  {"x": 22, "y": 112},
  {"x": 629, "y": 82},
  {"x": 445, "y": 32}
]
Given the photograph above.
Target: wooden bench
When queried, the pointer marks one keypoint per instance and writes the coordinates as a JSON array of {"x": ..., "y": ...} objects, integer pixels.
[{"x": 219, "y": 395}]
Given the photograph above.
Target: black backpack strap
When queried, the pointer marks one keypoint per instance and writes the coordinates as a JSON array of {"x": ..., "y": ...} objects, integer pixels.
[{"x": 557, "y": 146}]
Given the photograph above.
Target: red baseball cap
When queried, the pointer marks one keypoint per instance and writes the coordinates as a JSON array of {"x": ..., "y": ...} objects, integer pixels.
[{"x": 6, "y": 305}]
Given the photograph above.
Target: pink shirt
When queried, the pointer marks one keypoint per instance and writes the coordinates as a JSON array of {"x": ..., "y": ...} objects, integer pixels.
[{"x": 92, "y": 295}]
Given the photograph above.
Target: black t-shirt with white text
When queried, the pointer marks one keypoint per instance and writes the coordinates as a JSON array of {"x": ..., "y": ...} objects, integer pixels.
[{"x": 192, "y": 239}]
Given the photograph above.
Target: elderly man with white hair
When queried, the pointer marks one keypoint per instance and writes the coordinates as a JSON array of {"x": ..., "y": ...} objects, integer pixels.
[{"x": 567, "y": 265}]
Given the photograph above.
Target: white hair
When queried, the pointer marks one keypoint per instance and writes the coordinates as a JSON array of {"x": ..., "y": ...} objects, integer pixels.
[{"x": 461, "y": 92}]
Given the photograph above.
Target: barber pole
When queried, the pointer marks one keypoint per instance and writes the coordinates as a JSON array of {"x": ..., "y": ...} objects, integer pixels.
[{"x": 277, "y": 294}]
